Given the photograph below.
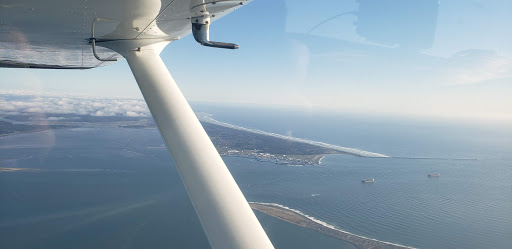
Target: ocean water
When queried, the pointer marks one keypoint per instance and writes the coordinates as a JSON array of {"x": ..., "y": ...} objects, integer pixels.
[{"x": 115, "y": 188}]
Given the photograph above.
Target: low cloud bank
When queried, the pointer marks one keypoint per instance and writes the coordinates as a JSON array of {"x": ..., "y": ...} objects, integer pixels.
[{"x": 30, "y": 103}]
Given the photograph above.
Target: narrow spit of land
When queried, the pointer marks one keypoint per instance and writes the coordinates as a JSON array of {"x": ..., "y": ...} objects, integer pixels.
[
  {"x": 207, "y": 118},
  {"x": 232, "y": 140},
  {"x": 302, "y": 220}
]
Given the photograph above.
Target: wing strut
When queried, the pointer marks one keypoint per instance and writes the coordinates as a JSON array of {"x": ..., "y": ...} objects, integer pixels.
[{"x": 226, "y": 217}]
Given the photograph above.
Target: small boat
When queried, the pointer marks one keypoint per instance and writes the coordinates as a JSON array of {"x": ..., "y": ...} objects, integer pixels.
[
  {"x": 434, "y": 175},
  {"x": 368, "y": 180}
]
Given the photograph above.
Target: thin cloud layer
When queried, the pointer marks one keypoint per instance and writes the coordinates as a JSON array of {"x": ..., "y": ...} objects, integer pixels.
[{"x": 477, "y": 66}]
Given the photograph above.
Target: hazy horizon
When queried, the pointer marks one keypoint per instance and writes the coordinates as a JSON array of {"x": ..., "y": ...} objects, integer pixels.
[{"x": 20, "y": 101}]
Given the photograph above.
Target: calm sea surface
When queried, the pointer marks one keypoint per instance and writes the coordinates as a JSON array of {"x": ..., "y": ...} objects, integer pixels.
[{"x": 117, "y": 188}]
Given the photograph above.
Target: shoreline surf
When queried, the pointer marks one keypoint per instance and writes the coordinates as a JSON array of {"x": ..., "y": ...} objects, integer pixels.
[
  {"x": 205, "y": 117},
  {"x": 299, "y": 218}
]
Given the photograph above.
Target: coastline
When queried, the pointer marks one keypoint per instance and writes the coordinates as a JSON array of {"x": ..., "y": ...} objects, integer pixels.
[
  {"x": 205, "y": 117},
  {"x": 298, "y": 218},
  {"x": 23, "y": 132},
  {"x": 318, "y": 159},
  {"x": 2, "y": 169}
]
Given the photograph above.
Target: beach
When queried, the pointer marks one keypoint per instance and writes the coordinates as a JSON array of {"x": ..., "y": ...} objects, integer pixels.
[{"x": 300, "y": 219}]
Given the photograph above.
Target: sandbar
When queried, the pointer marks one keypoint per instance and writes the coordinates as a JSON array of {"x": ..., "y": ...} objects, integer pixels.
[{"x": 300, "y": 219}]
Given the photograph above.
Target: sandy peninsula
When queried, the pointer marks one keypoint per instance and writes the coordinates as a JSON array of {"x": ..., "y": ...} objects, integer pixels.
[{"x": 300, "y": 219}]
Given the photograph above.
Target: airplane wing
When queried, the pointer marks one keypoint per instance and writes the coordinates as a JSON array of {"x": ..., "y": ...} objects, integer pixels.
[
  {"x": 82, "y": 34},
  {"x": 57, "y": 34}
]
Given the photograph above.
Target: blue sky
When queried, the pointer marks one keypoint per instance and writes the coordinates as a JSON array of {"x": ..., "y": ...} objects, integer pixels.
[{"x": 442, "y": 59}]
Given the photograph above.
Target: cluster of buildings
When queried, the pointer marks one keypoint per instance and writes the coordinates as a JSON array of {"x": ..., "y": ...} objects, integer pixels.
[{"x": 267, "y": 157}]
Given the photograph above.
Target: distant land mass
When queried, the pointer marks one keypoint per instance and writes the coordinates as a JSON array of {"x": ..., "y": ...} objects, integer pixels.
[
  {"x": 230, "y": 140},
  {"x": 8, "y": 128}
]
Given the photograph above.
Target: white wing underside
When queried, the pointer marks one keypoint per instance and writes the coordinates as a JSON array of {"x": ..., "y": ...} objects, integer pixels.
[{"x": 56, "y": 33}]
